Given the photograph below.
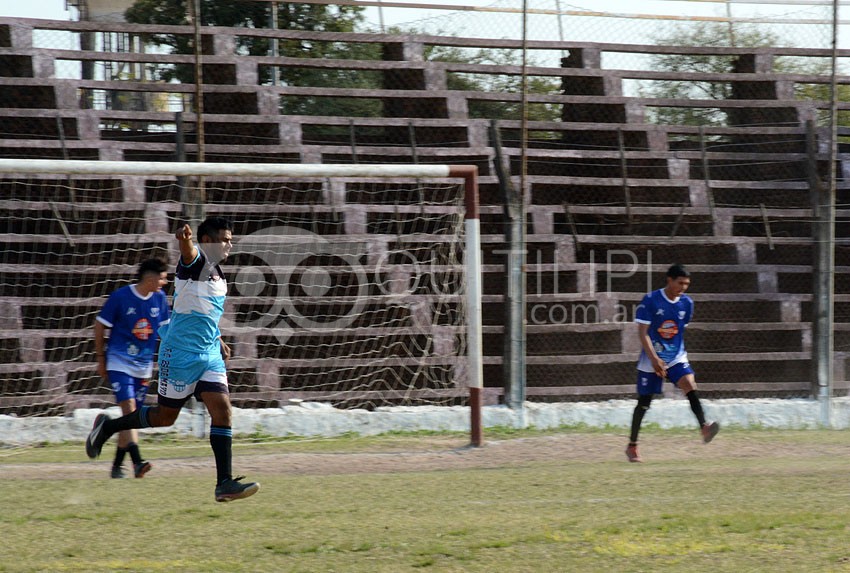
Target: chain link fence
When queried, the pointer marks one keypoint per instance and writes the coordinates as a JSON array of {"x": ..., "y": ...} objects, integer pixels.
[{"x": 676, "y": 131}]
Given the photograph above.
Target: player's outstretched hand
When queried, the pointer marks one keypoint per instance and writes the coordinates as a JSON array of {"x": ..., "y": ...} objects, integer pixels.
[{"x": 184, "y": 233}]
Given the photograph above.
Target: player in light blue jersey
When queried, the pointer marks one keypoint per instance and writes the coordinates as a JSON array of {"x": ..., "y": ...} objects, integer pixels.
[
  {"x": 662, "y": 317},
  {"x": 132, "y": 314},
  {"x": 192, "y": 355}
]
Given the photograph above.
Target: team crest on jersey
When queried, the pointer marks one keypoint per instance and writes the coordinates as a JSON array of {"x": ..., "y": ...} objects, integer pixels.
[
  {"x": 668, "y": 329},
  {"x": 154, "y": 312},
  {"x": 142, "y": 329},
  {"x": 681, "y": 314}
]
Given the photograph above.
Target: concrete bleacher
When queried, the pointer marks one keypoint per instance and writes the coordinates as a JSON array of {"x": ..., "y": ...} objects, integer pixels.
[{"x": 733, "y": 202}]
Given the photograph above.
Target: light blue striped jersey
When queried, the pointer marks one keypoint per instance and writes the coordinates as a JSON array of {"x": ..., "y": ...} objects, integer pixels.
[{"x": 199, "y": 292}]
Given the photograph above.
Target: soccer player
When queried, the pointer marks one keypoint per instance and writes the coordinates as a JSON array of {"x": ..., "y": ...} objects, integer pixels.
[
  {"x": 662, "y": 317},
  {"x": 132, "y": 314},
  {"x": 192, "y": 355}
]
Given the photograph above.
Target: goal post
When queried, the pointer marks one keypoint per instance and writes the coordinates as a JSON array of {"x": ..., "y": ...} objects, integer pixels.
[{"x": 358, "y": 285}]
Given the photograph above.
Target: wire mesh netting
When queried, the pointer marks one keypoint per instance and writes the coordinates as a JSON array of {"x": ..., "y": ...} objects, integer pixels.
[{"x": 358, "y": 308}]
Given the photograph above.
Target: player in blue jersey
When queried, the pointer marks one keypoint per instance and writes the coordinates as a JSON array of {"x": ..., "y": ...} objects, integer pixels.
[
  {"x": 192, "y": 355},
  {"x": 132, "y": 314},
  {"x": 662, "y": 317}
]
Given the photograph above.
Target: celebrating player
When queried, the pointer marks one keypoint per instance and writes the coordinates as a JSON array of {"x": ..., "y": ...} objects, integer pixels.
[
  {"x": 133, "y": 314},
  {"x": 662, "y": 317},
  {"x": 192, "y": 355}
]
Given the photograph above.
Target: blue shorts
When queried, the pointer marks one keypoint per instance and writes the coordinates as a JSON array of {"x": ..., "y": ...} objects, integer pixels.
[
  {"x": 183, "y": 374},
  {"x": 651, "y": 383},
  {"x": 125, "y": 386}
]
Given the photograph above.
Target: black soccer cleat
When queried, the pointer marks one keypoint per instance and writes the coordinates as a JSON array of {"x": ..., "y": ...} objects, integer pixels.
[
  {"x": 117, "y": 472},
  {"x": 231, "y": 489},
  {"x": 96, "y": 438}
]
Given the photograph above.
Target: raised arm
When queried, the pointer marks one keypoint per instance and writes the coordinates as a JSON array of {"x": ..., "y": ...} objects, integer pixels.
[{"x": 188, "y": 250}]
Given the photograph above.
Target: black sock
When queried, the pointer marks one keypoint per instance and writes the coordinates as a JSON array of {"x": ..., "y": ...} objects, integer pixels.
[
  {"x": 696, "y": 406},
  {"x": 133, "y": 449},
  {"x": 132, "y": 421},
  {"x": 119, "y": 457},
  {"x": 637, "y": 417},
  {"x": 221, "y": 440}
]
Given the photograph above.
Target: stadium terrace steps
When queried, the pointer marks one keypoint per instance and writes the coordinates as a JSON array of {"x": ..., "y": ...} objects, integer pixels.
[{"x": 613, "y": 194}]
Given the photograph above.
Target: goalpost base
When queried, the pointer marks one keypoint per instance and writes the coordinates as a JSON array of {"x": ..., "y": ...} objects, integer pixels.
[{"x": 476, "y": 399}]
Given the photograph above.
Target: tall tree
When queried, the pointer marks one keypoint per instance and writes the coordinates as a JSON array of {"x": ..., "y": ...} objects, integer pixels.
[
  {"x": 703, "y": 34},
  {"x": 330, "y": 18},
  {"x": 497, "y": 83},
  {"x": 247, "y": 14}
]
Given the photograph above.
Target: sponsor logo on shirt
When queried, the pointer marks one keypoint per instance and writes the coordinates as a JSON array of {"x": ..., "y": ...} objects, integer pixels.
[
  {"x": 142, "y": 329},
  {"x": 668, "y": 329}
]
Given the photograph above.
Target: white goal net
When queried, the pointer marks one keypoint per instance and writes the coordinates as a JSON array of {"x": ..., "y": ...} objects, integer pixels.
[{"x": 346, "y": 284}]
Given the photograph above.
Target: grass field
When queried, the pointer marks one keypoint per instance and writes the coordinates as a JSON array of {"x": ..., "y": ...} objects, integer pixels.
[{"x": 528, "y": 501}]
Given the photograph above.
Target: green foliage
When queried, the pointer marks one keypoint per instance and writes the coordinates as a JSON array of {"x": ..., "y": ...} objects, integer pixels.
[
  {"x": 501, "y": 83},
  {"x": 333, "y": 18},
  {"x": 245, "y": 14},
  {"x": 704, "y": 34}
]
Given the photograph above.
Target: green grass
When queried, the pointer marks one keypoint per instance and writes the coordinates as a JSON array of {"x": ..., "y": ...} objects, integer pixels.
[{"x": 775, "y": 511}]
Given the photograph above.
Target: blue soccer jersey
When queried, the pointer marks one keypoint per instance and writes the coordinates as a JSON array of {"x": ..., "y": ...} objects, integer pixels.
[
  {"x": 667, "y": 320},
  {"x": 133, "y": 320},
  {"x": 200, "y": 289}
]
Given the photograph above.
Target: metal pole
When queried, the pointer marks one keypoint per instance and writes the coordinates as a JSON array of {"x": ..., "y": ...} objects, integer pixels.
[
  {"x": 72, "y": 189},
  {"x": 706, "y": 171},
  {"x": 519, "y": 248},
  {"x": 560, "y": 25},
  {"x": 273, "y": 16},
  {"x": 180, "y": 156},
  {"x": 352, "y": 137},
  {"x": 513, "y": 354},
  {"x": 825, "y": 251},
  {"x": 194, "y": 207},
  {"x": 624, "y": 174},
  {"x": 199, "y": 195},
  {"x": 731, "y": 24},
  {"x": 381, "y": 17},
  {"x": 475, "y": 365},
  {"x": 199, "y": 77}
]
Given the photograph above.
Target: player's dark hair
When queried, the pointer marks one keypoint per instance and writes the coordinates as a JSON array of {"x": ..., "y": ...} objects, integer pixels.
[
  {"x": 212, "y": 225},
  {"x": 151, "y": 266},
  {"x": 677, "y": 270}
]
